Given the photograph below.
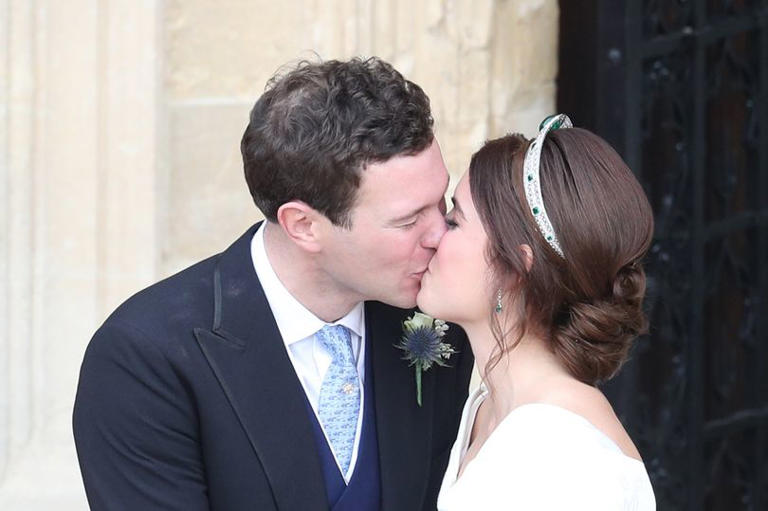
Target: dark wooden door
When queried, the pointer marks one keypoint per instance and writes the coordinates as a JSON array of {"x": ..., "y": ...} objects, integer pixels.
[{"x": 680, "y": 88}]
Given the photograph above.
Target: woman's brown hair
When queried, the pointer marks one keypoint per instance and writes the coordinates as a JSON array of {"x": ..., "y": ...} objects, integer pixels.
[{"x": 587, "y": 304}]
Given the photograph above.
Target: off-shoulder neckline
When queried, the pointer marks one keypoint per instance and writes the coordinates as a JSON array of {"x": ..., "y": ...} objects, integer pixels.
[{"x": 479, "y": 396}]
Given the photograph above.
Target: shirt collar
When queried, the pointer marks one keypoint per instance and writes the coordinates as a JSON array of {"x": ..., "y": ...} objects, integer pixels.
[{"x": 294, "y": 321}]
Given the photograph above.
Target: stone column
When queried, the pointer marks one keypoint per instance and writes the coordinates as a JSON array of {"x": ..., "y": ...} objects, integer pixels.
[{"x": 81, "y": 211}]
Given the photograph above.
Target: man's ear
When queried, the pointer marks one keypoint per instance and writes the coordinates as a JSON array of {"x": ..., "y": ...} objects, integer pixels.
[
  {"x": 527, "y": 253},
  {"x": 301, "y": 224}
]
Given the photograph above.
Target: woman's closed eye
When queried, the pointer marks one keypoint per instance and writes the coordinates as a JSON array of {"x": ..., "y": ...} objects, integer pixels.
[{"x": 450, "y": 222}]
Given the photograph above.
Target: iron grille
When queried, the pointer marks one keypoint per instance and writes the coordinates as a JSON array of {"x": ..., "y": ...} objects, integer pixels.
[{"x": 680, "y": 88}]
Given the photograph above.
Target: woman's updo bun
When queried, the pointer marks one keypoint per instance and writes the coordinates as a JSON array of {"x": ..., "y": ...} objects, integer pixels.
[
  {"x": 589, "y": 303},
  {"x": 594, "y": 339}
]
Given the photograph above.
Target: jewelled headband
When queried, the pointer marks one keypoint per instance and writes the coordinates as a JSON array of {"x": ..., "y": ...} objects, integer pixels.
[{"x": 532, "y": 179}]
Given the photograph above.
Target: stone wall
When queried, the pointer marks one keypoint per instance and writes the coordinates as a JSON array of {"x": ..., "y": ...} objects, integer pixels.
[
  {"x": 120, "y": 123},
  {"x": 488, "y": 67}
]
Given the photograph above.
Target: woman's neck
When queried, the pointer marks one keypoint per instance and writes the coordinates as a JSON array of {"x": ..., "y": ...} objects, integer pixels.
[{"x": 523, "y": 375}]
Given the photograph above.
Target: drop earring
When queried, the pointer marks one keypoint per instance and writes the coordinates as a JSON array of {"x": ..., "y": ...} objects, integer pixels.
[{"x": 498, "y": 301}]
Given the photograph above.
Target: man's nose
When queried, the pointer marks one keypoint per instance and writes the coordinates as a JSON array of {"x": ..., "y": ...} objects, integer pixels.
[{"x": 435, "y": 231}]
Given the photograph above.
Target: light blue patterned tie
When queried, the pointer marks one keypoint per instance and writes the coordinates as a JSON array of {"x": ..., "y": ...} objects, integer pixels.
[{"x": 339, "y": 394}]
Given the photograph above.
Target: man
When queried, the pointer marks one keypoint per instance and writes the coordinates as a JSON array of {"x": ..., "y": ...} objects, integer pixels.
[{"x": 266, "y": 377}]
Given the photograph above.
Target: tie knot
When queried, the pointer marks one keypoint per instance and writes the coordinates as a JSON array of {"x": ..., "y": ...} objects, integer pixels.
[{"x": 338, "y": 341}]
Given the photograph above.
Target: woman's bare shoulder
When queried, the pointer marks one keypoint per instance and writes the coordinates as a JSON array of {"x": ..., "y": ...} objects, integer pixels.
[{"x": 591, "y": 404}]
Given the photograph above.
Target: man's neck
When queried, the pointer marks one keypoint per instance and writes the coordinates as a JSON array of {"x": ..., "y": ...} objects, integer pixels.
[{"x": 304, "y": 279}]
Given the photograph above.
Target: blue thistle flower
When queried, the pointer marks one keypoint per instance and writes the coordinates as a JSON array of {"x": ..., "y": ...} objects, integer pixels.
[{"x": 423, "y": 346}]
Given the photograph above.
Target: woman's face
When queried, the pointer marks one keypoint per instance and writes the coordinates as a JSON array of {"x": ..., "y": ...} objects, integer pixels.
[{"x": 457, "y": 285}]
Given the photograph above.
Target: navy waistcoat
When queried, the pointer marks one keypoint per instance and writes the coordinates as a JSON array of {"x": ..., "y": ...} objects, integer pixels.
[{"x": 363, "y": 493}]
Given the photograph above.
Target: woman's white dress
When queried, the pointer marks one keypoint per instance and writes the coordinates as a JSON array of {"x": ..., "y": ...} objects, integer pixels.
[{"x": 543, "y": 457}]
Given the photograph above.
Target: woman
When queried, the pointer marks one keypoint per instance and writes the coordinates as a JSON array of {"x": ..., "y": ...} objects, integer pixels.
[{"x": 541, "y": 267}]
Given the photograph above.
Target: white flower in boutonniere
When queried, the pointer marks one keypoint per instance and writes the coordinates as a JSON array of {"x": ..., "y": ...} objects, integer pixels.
[{"x": 422, "y": 345}]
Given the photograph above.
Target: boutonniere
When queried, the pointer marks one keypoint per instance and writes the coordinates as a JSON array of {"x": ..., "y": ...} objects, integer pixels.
[{"x": 423, "y": 346}]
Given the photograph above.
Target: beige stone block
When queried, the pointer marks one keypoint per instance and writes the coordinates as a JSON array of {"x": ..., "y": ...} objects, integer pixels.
[
  {"x": 529, "y": 110},
  {"x": 335, "y": 29},
  {"x": 208, "y": 203},
  {"x": 407, "y": 13},
  {"x": 526, "y": 9},
  {"x": 5, "y": 244},
  {"x": 451, "y": 23},
  {"x": 230, "y": 48},
  {"x": 383, "y": 26},
  {"x": 474, "y": 94},
  {"x": 129, "y": 178},
  {"x": 475, "y": 22},
  {"x": 438, "y": 74},
  {"x": 45, "y": 478},
  {"x": 524, "y": 65},
  {"x": 17, "y": 124},
  {"x": 68, "y": 64},
  {"x": 509, "y": 62},
  {"x": 536, "y": 40},
  {"x": 67, "y": 189},
  {"x": 474, "y": 77},
  {"x": 434, "y": 14},
  {"x": 349, "y": 19},
  {"x": 365, "y": 24}
]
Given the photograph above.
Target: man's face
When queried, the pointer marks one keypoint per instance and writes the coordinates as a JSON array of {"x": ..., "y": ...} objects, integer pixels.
[{"x": 397, "y": 223}]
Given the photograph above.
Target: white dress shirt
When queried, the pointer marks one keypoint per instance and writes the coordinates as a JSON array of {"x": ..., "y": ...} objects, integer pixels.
[{"x": 298, "y": 327}]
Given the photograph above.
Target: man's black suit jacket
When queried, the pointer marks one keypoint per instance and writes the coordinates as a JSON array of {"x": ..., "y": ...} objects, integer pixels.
[{"x": 188, "y": 401}]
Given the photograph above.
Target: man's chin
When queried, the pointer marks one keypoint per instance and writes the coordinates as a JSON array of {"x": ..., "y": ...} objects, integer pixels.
[
  {"x": 404, "y": 300},
  {"x": 403, "y": 297},
  {"x": 405, "y": 303}
]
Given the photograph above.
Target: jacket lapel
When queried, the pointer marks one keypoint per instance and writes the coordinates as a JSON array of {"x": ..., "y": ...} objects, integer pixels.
[
  {"x": 246, "y": 352},
  {"x": 404, "y": 428}
]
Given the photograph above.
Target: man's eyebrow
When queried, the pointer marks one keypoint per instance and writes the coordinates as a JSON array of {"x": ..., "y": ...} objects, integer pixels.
[{"x": 457, "y": 208}]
